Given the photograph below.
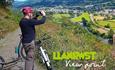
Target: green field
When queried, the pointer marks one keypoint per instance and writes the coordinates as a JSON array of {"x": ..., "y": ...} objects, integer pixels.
[
  {"x": 110, "y": 22},
  {"x": 58, "y": 17},
  {"x": 79, "y": 18}
]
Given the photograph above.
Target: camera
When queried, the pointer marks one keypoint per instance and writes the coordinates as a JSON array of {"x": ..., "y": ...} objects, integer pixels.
[{"x": 37, "y": 13}]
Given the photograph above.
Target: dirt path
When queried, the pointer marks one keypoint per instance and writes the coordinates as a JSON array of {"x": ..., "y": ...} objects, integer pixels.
[{"x": 7, "y": 50}]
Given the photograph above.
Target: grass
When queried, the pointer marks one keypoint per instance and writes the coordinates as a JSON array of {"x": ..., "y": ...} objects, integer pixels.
[{"x": 79, "y": 18}]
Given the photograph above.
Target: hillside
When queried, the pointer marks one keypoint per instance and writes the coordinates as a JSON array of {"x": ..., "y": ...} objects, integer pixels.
[
  {"x": 69, "y": 37},
  {"x": 8, "y": 21}
]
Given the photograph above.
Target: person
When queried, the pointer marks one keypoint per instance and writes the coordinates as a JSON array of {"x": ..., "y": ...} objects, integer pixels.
[{"x": 27, "y": 25}]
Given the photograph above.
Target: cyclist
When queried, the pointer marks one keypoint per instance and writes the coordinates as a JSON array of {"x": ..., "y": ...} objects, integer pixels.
[{"x": 27, "y": 25}]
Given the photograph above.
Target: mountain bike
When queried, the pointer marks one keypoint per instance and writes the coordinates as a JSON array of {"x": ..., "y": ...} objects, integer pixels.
[
  {"x": 41, "y": 52},
  {"x": 22, "y": 56}
]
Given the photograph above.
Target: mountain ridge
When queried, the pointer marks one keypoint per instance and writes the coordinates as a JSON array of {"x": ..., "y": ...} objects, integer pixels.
[{"x": 50, "y": 3}]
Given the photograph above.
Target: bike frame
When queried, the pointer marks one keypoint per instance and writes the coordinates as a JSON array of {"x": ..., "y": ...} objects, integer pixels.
[{"x": 45, "y": 57}]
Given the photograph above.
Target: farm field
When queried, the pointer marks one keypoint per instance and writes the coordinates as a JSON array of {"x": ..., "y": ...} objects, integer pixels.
[
  {"x": 110, "y": 22},
  {"x": 79, "y": 18},
  {"x": 57, "y": 17}
]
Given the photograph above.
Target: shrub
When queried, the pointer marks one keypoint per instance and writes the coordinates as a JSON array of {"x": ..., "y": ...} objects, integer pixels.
[
  {"x": 5, "y": 3},
  {"x": 107, "y": 26},
  {"x": 110, "y": 34}
]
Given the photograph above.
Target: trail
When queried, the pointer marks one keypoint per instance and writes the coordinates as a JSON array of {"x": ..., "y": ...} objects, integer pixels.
[{"x": 7, "y": 50}]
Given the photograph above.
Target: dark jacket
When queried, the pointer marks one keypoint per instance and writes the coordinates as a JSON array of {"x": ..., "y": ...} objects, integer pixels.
[{"x": 28, "y": 28}]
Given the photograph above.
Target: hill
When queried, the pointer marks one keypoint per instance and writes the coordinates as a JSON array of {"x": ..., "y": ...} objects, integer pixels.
[
  {"x": 8, "y": 21},
  {"x": 68, "y": 37},
  {"x": 45, "y": 3}
]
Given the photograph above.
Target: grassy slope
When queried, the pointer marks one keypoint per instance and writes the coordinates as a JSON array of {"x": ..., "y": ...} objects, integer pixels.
[
  {"x": 73, "y": 38},
  {"x": 8, "y": 22},
  {"x": 58, "y": 17}
]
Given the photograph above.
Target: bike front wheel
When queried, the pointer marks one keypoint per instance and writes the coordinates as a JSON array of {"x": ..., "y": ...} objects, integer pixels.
[{"x": 48, "y": 64}]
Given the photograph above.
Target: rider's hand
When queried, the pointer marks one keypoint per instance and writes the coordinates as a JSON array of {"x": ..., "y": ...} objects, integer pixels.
[{"x": 43, "y": 13}]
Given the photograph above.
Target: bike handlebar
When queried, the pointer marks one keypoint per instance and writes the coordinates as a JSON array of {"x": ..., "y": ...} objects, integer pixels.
[{"x": 41, "y": 41}]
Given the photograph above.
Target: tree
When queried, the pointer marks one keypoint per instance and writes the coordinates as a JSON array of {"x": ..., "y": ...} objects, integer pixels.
[
  {"x": 107, "y": 26},
  {"x": 110, "y": 34},
  {"x": 5, "y": 3},
  {"x": 84, "y": 21}
]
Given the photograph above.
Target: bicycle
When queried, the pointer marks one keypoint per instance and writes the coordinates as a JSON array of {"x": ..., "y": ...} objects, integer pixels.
[
  {"x": 42, "y": 52},
  {"x": 22, "y": 56}
]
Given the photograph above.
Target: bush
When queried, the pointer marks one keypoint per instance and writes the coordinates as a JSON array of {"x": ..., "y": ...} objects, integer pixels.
[
  {"x": 110, "y": 34},
  {"x": 84, "y": 21},
  {"x": 5, "y": 3},
  {"x": 102, "y": 35},
  {"x": 107, "y": 26}
]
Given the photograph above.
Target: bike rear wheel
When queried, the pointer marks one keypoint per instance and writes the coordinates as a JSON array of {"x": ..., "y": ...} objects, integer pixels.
[
  {"x": 22, "y": 53},
  {"x": 23, "y": 56}
]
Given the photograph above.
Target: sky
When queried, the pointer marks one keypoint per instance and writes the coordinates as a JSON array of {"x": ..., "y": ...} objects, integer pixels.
[{"x": 20, "y": 0}]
